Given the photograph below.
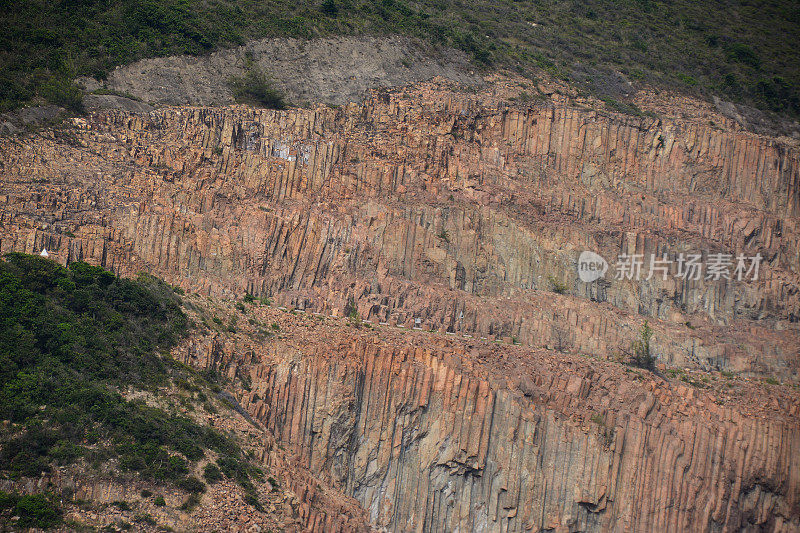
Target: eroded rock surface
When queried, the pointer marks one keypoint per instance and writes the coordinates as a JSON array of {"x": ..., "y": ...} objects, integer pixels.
[
  {"x": 433, "y": 433},
  {"x": 454, "y": 212},
  {"x": 436, "y": 208},
  {"x": 335, "y": 70}
]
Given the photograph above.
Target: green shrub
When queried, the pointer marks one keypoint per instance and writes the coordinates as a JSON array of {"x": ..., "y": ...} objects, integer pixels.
[
  {"x": 605, "y": 432},
  {"x": 62, "y": 92},
  {"x": 743, "y": 54},
  {"x": 252, "y": 500},
  {"x": 192, "y": 484},
  {"x": 687, "y": 79},
  {"x": 121, "y": 505},
  {"x": 627, "y": 108},
  {"x": 183, "y": 383},
  {"x": 212, "y": 473},
  {"x": 598, "y": 419},
  {"x": 254, "y": 88},
  {"x": 191, "y": 502},
  {"x": 329, "y": 8},
  {"x": 642, "y": 355},
  {"x": 558, "y": 286},
  {"x": 231, "y": 467},
  {"x": 145, "y": 518},
  {"x": 32, "y": 510},
  {"x": 159, "y": 501}
]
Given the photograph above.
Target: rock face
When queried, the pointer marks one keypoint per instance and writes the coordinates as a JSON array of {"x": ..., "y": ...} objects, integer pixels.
[
  {"x": 98, "y": 102},
  {"x": 429, "y": 433},
  {"x": 332, "y": 70},
  {"x": 455, "y": 212},
  {"x": 436, "y": 208}
]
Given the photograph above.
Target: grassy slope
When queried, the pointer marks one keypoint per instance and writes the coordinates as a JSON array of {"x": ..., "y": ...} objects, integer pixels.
[
  {"x": 72, "y": 340},
  {"x": 746, "y": 51}
]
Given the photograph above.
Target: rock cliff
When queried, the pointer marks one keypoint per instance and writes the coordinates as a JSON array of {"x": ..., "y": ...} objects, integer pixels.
[
  {"x": 461, "y": 213},
  {"x": 433, "y": 433},
  {"x": 432, "y": 207}
]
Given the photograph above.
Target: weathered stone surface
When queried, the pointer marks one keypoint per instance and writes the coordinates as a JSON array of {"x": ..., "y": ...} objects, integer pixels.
[
  {"x": 99, "y": 102},
  {"x": 430, "y": 433},
  {"x": 334, "y": 70},
  {"x": 438, "y": 205},
  {"x": 453, "y": 212}
]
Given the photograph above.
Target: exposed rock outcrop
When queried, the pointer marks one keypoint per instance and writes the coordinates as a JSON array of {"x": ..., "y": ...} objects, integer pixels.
[
  {"x": 336, "y": 70},
  {"x": 437, "y": 208},
  {"x": 429, "y": 433},
  {"x": 453, "y": 212}
]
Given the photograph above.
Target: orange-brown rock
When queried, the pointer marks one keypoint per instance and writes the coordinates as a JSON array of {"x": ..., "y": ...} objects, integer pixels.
[
  {"x": 426, "y": 204},
  {"x": 432, "y": 433},
  {"x": 457, "y": 213}
]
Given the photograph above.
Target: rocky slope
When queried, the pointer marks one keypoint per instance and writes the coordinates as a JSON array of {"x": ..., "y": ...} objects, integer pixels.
[
  {"x": 332, "y": 70},
  {"x": 433, "y": 433},
  {"x": 297, "y": 501},
  {"x": 431, "y": 207},
  {"x": 459, "y": 211}
]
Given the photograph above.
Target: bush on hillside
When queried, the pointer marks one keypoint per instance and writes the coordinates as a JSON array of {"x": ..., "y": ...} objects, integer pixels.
[{"x": 254, "y": 88}]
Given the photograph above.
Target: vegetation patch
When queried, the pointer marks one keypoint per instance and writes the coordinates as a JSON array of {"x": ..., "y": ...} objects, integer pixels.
[
  {"x": 559, "y": 287},
  {"x": 743, "y": 51},
  {"x": 256, "y": 89},
  {"x": 71, "y": 341},
  {"x": 642, "y": 353},
  {"x": 31, "y": 510}
]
